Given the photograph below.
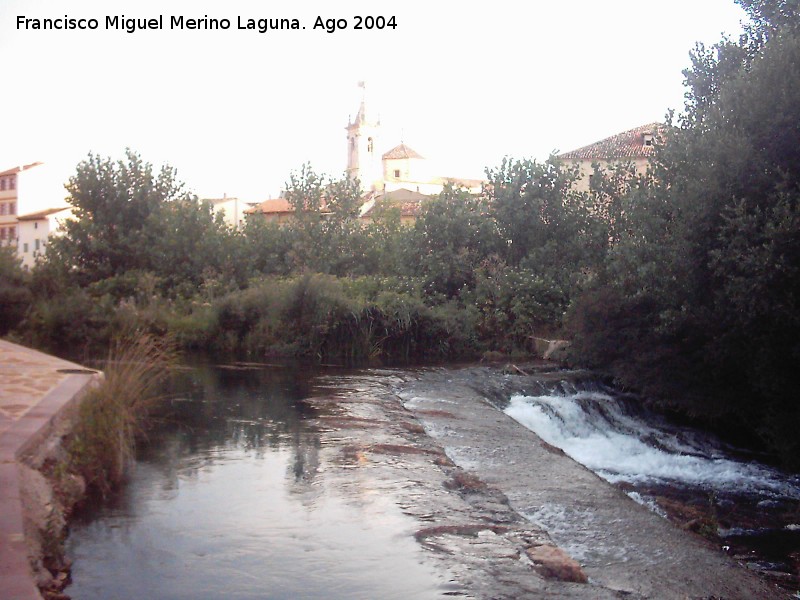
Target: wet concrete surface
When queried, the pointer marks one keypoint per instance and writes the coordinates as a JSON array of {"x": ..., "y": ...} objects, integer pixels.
[{"x": 501, "y": 513}]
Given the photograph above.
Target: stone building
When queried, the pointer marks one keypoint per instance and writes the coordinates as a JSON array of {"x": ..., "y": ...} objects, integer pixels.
[
  {"x": 635, "y": 147},
  {"x": 398, "y": 168}
]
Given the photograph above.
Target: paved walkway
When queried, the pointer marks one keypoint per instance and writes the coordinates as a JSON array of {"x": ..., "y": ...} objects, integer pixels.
[{"x": 34, "y": 389}]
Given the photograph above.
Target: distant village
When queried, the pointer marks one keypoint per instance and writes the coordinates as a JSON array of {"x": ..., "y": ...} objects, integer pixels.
[{"x": 33, "y": 206}]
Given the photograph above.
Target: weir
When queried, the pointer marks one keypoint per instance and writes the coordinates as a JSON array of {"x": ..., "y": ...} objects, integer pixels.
[
  {"x": 373, "y": 469},
  {"x": 621, "y": 545}
]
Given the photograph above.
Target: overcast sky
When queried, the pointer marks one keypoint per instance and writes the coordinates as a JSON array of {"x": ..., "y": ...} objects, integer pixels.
[{"x": 463, "y": 83}]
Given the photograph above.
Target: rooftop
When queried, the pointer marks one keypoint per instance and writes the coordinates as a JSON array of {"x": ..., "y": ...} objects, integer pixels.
[
  {"x": 42, "y": 214},
  {"x": 13, "y": 170},
  {"x": 633, "y": 143},
  {"x": 271, "y": 206},
  {"x": 401, "y": 151}
]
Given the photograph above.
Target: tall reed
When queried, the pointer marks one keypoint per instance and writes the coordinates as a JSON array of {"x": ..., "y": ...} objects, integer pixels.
[{"x": 113, "y": 415}]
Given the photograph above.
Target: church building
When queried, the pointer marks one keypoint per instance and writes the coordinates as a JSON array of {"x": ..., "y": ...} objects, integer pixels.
[{"x": 382, "y": 171}]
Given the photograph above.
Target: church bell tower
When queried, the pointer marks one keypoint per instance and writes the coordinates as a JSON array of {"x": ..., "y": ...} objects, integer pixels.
[{"x": 363, "y": 160}]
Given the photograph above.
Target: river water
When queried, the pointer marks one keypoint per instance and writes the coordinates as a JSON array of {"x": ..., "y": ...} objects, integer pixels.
[
  {"x": 229, "y": 499},
  {"x": 239, "y": 492},
  {"x": 752, "y": 509}
]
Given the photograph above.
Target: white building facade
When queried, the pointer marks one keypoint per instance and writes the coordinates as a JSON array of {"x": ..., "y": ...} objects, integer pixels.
[
  {"x": 35, "y": 231},
  {"x": 31, "y": 198}
]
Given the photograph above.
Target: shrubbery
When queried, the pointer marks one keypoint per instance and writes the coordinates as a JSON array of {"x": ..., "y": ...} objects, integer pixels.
[
  {"x": 15, "y": 295},
  {"x": 322, "y": 284},
  {"x": 697, "y": 303}
]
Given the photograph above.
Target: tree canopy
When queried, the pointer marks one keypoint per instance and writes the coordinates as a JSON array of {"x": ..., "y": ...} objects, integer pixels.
[
  {"x": 698, "y": 304},
  {"x": 131, "y": 219}
]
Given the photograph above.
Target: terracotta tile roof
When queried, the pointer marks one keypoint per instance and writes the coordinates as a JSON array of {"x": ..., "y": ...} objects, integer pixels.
[
  {"x": 271, "y": 206},
  {"x": 401, "y": 151},
  {"x": 628, "y": 144},
  {"x": 18, "y": 169},
  {"x": 36, "y": 216}
]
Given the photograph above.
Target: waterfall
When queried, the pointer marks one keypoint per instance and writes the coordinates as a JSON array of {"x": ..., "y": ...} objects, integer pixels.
[{"x": 625, "y": 444}]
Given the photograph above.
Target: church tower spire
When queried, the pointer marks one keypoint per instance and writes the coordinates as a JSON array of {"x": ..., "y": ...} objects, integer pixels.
[{"x": 363, "y": 160}]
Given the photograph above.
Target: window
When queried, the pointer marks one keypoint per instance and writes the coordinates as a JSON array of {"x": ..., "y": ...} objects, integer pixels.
[
  {"x": 3, "y": 208},
  {"x": 35, "y": 225},
  {"x": 2, "y": 184},
  {"x": 2, "y": 234},
  {"x": 397, "y": 173},
  {"x": 12, "y": 208},
  {"x": 648, "y": 139},
  {"x": 36, "y": 244},
  {"x": 369, "y": 145},
  {"x": 25, "y": 247},
  {"x": 12, "y": 182},
  {"x": 12, "y": 233}
]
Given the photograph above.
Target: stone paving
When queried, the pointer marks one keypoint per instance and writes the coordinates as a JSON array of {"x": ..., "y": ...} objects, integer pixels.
[
  {"x": 26, "y": 376},
  {"x": 34, "y": 389}
]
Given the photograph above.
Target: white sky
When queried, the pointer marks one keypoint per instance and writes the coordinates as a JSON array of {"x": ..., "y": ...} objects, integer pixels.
[{"x": 464, "y": 83}]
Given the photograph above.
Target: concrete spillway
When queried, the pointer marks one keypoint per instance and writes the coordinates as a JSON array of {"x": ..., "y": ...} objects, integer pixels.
[{"x": 625, "y": 549}]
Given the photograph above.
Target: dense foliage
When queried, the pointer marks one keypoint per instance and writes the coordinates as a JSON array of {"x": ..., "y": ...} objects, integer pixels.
[
  {"x": 683, "y": 284},
  {"x": 15, "y": 296},
  {"x": 699, "y": 304},
  {"x": 465, "y": 278}
]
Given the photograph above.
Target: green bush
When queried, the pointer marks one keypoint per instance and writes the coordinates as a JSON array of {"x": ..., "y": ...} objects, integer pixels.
[
  {"x": 70, "y": 324},
  {"x": 15, "y": 295}
]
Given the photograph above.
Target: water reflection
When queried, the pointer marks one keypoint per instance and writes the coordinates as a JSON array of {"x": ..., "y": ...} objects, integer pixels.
[{"x": 235, "y": 495}]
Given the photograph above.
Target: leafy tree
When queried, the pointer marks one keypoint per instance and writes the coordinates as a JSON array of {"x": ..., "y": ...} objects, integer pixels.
[
  {"x": 546, "y": 227},
  {"x": 698, "y": 302},
  {"x": 268, "y": 247},
  {"x": 196, "y": 246},
  {"x": 768, "y": 16},
  {"x": 327, "y": 236},
  {"x": 388, "y": 240},
  {"x": 134, "y": 226},
  {"x": 15, "y": 294},
  {"x": 450, "y": 238},
  {"x": 539, "y": 217},
  {"x": 114, "y": 203}
]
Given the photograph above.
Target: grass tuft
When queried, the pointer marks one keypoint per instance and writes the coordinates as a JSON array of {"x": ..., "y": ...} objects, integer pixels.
[{"x": 113, "y": 415}]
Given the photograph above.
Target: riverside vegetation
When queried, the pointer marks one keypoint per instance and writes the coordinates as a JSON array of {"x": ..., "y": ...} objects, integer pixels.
[
  {"x": 683, "y": 284},
  {"x": 89, "y": 450},
  {"x": 113, "y": 415}
]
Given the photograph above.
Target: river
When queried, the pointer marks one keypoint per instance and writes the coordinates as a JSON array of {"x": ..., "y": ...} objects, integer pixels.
[
  {"x": 229, "y": 499},
  {"x": 269, "y": 481},
  {"x": 692, "y": 477}
]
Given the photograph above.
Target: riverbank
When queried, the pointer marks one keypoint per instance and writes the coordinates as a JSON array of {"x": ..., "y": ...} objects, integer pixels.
[{"x": 38, "y": 393}]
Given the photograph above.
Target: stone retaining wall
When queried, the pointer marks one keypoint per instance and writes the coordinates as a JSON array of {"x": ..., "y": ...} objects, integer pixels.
[{"x": 38, "y": 398}]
